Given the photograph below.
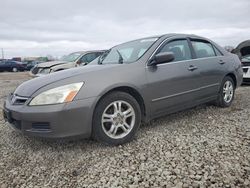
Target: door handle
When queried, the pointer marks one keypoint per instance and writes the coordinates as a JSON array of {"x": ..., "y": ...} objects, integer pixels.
[
  {"x": 222, "y": 62},
  {"x": 192, "y": 68}
]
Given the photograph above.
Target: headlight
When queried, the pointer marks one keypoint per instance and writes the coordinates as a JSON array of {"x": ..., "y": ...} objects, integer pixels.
[{"x": 57, "y": 95}]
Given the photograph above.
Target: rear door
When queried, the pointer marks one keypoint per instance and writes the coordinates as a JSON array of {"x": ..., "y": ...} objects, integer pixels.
[
  {"x": 172, "y": 85},
  {"x": 211, "y": 64}
]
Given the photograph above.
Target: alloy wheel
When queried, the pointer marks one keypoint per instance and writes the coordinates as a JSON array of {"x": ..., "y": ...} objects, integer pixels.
[
  {"x": 228, "y": 91},
  {"x": 118, "y": 119}
]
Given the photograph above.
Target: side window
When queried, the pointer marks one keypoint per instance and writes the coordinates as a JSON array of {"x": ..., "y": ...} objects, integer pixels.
[
  {"x": 180, "y": 49},
  {"x": 203, "y": 49}
]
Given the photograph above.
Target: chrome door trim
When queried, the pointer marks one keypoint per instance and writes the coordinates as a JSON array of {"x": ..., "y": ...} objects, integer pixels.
[{"x": 185, "y": 92}]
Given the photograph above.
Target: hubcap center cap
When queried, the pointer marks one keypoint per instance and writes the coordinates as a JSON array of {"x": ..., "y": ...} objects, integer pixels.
[{"x": 118, "y": 119}]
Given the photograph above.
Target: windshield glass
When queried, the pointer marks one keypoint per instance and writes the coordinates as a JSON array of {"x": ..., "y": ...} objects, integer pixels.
[
  {"x": 71, "y": 57},
  {"x": 128, "y": 52}
]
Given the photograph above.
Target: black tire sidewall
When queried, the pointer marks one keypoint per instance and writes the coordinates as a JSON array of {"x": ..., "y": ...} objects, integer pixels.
[{"x": 97, "y": 130}]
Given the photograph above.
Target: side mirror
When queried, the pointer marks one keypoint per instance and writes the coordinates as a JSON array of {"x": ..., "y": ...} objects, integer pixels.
[{"x": 163, "y": 57}]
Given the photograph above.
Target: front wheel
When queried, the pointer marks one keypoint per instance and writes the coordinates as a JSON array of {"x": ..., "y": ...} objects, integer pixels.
[
  {"x": 226, "y": 94},
  {"x": 117, "y": 118},
  {"x": 14, "y": 69}
]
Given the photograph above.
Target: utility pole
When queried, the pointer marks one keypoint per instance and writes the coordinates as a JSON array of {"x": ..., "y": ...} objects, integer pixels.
[{"x": 2, "y": 54}]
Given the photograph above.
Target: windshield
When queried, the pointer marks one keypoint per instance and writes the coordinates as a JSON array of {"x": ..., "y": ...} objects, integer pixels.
[
  {"x": 128, "y": 52},
  {"x": 71, "y": 57}
]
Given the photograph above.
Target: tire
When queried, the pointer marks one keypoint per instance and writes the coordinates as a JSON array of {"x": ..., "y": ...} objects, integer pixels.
[
  {"x": 14, "y": 69},
  {"x": 222, "y": 100},
  {"x": 115, "y": 127}
]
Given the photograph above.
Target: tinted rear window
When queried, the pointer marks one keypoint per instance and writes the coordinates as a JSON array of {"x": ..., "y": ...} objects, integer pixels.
[{"x": 203, "y": 49}]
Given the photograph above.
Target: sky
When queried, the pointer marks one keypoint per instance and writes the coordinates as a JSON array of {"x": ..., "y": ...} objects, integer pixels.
[{"x": 58, "y": 27}]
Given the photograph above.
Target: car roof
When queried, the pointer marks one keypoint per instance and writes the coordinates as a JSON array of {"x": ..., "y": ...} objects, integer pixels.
[
  {"x": 9, "y": 60},
  {"x": 180, "y": 35},
  {"x": 88, "y": 51},
  {"x": 166, "y": 36}
]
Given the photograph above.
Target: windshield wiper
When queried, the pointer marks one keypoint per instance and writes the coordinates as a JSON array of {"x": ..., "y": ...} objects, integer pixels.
[{"x": 120, "y": 57}]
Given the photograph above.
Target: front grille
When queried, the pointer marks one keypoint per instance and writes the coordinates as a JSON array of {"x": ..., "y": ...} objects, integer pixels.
[
  {"x": 41, "y": 126},
  {"x": 18, "y": 100}
]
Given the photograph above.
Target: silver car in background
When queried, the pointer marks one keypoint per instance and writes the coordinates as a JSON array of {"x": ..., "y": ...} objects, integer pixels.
[
  {"x": 131, "y": 83},
  {"x": 245, "y": 60},
  {"x": 70, "y": 61}
]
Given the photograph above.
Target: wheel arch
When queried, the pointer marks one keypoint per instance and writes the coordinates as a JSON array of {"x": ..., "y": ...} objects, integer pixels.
[
  {"x": 232, "y": 75},
  {"x": 130, "y": 90}
]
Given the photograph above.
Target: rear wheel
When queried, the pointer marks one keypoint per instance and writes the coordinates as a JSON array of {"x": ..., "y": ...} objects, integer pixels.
[
  {"x": 117, "y": 118},
  {"x": 226, "y": 94}
]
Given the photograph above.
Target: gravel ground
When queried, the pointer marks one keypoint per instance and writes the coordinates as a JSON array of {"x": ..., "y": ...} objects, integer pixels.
[{"x": 202, "y": 147}]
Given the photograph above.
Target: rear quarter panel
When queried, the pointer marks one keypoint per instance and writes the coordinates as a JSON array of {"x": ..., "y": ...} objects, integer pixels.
[{"x": 233, "y": 65}]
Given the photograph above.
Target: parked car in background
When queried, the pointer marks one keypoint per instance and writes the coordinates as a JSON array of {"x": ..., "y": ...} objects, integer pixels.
[
  {"x": 245, "y": 60},
  {"x": 67, "y": 62},
  {"x": 31, "y": 64},
  {"x": 132, "y": 83},
  {"x": 12, "y": 66}
]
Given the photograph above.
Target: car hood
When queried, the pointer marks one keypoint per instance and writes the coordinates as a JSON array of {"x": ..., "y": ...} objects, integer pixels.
[
  {"x": 51, "y": 63},
  {"x": 29, "y": 87}
]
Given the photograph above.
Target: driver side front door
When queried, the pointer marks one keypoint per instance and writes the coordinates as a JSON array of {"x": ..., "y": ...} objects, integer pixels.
[{"x": 172, "y": 86}]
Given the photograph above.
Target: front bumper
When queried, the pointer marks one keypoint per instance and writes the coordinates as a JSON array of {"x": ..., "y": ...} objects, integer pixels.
[{"x": 52, "y": 121}]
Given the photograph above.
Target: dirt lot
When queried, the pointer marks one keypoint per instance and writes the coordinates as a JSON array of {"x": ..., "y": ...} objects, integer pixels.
[{"x": 201, "y": 147}]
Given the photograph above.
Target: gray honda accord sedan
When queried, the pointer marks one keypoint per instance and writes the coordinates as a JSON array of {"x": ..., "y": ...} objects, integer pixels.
[{"x": 131, "y": 83}]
